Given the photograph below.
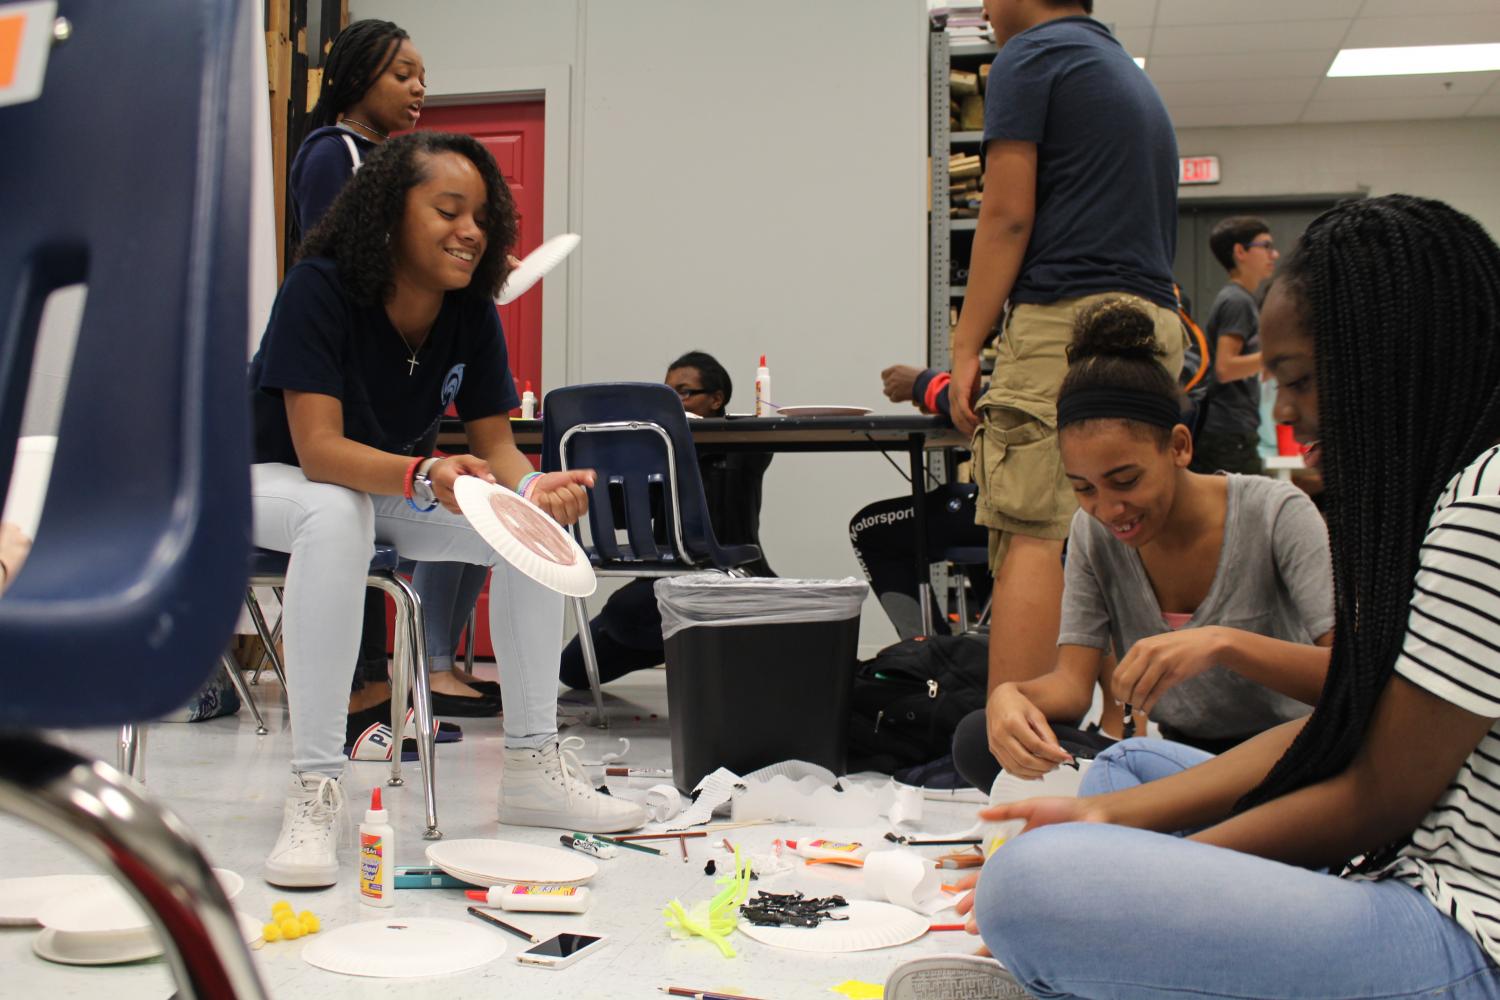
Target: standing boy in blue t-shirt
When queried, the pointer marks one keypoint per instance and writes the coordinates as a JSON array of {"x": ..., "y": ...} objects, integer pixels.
[
  {"x": 1228, "y": 435},
  {"x": 1080, "y": 203}
]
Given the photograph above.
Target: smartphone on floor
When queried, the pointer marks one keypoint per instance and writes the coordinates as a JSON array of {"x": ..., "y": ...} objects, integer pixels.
[{"x": 561, "y": 951}]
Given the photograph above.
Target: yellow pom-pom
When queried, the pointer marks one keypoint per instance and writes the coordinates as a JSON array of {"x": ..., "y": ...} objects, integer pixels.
[
  {"x": 279, "y": 907},
  {"x": 271, "y": 932},
  {"x": 309, "y": 922},
  {"x": 290, "y": 929}
]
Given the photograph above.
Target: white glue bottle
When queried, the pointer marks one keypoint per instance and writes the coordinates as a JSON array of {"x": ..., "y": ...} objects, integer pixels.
[
  {"x": 534, "y": 898},
  {"x": 763, "y": 404},
  {"x": 528, "y": 404},
  {"x": 829, "y": 850},
  {"x": 377, "y": 854}
]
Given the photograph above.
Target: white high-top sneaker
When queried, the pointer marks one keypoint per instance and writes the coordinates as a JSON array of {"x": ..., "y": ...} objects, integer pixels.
[
  {"x": 306, "y": 851},
  {"x": 548, "y": 787}
]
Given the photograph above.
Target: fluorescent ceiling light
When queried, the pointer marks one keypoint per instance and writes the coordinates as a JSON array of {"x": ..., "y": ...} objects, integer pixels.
[
  {"x": 1140, "y": 61},
  {"x": 1411, "y": 60}
]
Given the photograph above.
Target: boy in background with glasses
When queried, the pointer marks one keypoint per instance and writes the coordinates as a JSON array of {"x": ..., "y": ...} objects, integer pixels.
[{"x": 1228, "y": 432}]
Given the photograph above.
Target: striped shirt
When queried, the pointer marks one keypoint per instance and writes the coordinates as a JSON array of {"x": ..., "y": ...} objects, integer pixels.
[{"x": 1452, "y": 650}]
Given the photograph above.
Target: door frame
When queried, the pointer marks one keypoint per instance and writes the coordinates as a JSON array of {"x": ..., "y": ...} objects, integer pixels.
[{"x": 561, "y": 307}]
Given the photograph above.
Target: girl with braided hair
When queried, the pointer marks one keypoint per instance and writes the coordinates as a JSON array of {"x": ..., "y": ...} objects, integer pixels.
[
  {"x": 1355, "y": 854},
  {"x": 374, "y": 84}
]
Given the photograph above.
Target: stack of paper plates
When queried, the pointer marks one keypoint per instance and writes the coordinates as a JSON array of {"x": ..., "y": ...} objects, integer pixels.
[{"x": 502, "y": 862}]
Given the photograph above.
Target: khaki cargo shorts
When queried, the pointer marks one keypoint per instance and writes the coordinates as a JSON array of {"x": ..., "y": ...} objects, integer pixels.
[{"x": 1022, "y": 488}]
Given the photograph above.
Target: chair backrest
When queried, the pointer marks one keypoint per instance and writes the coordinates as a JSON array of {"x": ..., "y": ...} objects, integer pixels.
[
  {"x": 633, "y": 494},
  {"x": 132, "y": 173}
]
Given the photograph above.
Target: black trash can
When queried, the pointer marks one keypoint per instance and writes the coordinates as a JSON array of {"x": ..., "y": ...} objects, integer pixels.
[{"x": 759, "y": 670}]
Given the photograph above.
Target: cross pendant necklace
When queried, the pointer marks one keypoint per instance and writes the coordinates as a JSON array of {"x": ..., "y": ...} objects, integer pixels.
[{"x": 412, "y": 362}]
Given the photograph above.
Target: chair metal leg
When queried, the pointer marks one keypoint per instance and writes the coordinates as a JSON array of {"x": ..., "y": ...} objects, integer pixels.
[
  {"x": 146, "y": 848},
  {"x": 469, "y": 636},
  {"x": 130, "y": 754},
  {"x": 924, "y": 598},
  {"x": 243, "y": 690},
  {"x": 414, "y": 635},
  {"x": 401, "y": 677},
  {"x": 984, "y": 614},
  {"x": 268, "y": 636},
  {"x": 962, "y": 582},
  {"x": 590, "y": 659}
]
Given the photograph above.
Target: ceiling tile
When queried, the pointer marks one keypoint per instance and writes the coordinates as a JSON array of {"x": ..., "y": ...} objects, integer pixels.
[
  {"x": 1210, "y": 39},
  {"x": 1430, "y": 8},
  {"x": 1486, "y": 107},
  {"x": 1449, "y": 29},
  {"x": 1172, "y": 12},
  {"x": 1126, "y": 13},
  {"x": 1276, "y": 89},
  {"x": 1237, "y": 114},
  {"x": 1393, "y": 110},
  {"x": 1243, "y": 66},
  {"x": 1137, "y": 41},
  {"x": 1385, "y": 88}
]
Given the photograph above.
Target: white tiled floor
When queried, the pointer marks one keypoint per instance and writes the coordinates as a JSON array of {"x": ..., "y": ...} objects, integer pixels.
[{"x": 227, "y": 784}]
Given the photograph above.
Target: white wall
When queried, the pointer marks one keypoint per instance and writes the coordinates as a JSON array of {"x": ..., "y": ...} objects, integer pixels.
[
  {"x": 746, "y": 179},
  {"x": 1452, "y": 160}
]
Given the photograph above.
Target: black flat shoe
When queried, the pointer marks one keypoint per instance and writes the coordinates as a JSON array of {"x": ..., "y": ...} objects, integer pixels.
[
  {"x": 490, "y": 689},
  {"x": 472, "y": 708}
]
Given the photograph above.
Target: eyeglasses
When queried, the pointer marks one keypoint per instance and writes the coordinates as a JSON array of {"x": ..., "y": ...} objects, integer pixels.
[
  {"x": 1266, "y": 245},
  {"x": 687, "y": 392}
]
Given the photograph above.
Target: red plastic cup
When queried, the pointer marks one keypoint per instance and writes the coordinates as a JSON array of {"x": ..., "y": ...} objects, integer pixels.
[{"x": 1286, "y": 443}]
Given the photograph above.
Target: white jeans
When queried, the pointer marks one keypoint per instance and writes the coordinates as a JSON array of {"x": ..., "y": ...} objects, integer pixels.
[{"x": 331, "y": 532}]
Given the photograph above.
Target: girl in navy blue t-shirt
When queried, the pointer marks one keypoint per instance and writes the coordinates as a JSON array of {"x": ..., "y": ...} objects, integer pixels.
[{"x": 387, "y": 320}]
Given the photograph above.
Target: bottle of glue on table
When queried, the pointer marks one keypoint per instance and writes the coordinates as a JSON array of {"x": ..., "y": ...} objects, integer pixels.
[
  {"x": 528, "y": 403},
  {"x": 377, "y": 853},
  {"x": 534, "y": 898},
  {"x": 763, "y": 406},
  {"x": 833, "y": 850}
]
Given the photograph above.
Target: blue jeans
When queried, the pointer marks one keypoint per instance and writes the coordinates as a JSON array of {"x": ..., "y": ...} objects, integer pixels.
[
  {"x": 1137, "y": 761},
  {"x": 1091, "y": 910},
  {"x": 448, "y": 591}
]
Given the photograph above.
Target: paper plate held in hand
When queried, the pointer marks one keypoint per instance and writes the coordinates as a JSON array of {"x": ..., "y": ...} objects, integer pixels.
[
  {"x": 537, "y": 263},
  {"x": 525, "y": 536},
  {"x": 823, "y": 411}
]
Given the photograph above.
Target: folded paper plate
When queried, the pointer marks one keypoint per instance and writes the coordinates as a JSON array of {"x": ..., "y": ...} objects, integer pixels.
[
  {"x": 501, "y": 862},
  {"x": 536, "y": 264},
  {"x": 525, "y": 536}
]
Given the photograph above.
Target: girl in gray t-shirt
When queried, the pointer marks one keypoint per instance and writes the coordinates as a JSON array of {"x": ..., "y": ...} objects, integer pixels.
[{"x": 1214, "y": 591}]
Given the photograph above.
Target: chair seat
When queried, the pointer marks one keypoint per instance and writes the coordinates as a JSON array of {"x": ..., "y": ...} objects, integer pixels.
[
  {"x": 268, "y": 562},
  {"x": 963, "y": 555},
  {"x": 736, "y": 555}
]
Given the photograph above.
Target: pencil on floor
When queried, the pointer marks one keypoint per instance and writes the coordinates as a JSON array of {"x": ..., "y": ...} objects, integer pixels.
[{"x": 682, "y": 843}]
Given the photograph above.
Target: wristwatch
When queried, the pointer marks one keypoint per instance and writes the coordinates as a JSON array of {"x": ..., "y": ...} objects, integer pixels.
[{"x": 421, "y": 486}]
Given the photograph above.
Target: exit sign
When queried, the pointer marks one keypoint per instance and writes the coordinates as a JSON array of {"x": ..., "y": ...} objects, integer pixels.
[{"x": 1197, "y": 170}]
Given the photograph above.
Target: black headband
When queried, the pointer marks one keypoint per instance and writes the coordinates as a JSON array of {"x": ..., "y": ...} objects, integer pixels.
[{"x": 1117, "y": 404}]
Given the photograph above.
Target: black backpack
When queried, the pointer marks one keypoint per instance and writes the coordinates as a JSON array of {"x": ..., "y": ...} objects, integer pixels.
[{"x": 908, "y": 700}]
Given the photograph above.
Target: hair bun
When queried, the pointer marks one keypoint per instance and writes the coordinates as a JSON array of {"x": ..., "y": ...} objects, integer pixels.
[{"x": 1114, "y": 328}]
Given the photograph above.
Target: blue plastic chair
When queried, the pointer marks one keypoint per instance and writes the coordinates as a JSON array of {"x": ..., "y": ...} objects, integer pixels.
[
  {"x": 647, "y": 512},
  {"x": 132, "y": 587}
]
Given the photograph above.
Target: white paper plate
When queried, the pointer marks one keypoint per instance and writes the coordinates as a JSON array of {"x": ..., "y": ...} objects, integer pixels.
[
  {"x": 84, "y": 948},
  {"x": 526, "y": 537},
  {"x": 536, "y": 264},
  {"x": 22, "y": 899},
  {"x": 28, "y": 482},
  {"x": 405, "y": 949},
  {"x": 102, "y": 909},
  {"x": 870, "y": 925},
  {"x": 497, "y": 862},
  {"x": 823, "y": 411}
]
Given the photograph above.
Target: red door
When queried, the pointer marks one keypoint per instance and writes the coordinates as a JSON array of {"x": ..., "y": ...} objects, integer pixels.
[{"x": 512, "y": 132}]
